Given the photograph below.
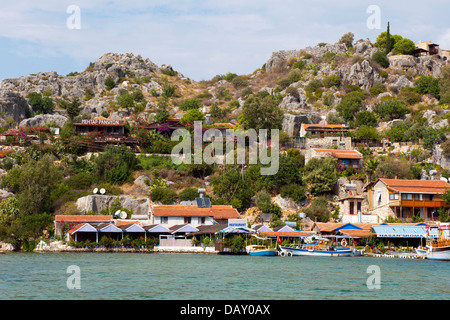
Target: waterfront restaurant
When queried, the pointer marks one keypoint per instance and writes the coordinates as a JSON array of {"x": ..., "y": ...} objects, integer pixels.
[{"x": 107, "y": 127}]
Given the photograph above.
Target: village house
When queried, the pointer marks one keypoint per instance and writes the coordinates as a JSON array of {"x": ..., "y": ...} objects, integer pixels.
[
  {"x": 404, "y": 199},
  {"x": 106, "y": 130},
  {"x": 170, "y": 215},
  {"x": 64, "y": 223},
  {"x": 347, "y": 158},
  {"x": 428, "y": 48}
]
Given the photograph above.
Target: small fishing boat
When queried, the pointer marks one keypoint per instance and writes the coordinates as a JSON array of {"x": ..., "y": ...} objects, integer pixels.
[
  {"x": 319, "y": 249},
  {"x": 420, "y": 251},
  {"x": 259, "y": 250},
  {"x": 439, "y": 249}
]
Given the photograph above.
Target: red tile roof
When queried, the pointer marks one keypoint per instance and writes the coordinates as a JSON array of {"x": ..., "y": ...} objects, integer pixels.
[
  {"x": 83, "y": 218},
  {"x": 325, "y": 127},
  {"x": 215, "y": 211},
  {"x": 416, "y": 186},
  {"x": 287, "y": 234},
  {"x": 341, "y": 154}
]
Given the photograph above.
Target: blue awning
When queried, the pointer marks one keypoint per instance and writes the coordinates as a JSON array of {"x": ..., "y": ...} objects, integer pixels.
[{"x": 417, "y": 231}]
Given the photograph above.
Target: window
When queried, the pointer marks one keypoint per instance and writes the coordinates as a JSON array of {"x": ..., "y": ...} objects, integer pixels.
[
  {"x": 201, "y": 220},
  {"x": 393, "y": 196},
  {"x": 416, "y": 196},
  {"x": 409, "y": 196},
  {"x": 426, "y": 197},
  {"x": 187, "y": 219},
  {"x": 164, "y": 220}
]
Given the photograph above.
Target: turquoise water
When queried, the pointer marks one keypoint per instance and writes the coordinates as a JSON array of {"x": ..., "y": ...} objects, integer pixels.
[{"x": 216, "y": 277}]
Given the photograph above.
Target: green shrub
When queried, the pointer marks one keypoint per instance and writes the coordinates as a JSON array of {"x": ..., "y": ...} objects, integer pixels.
[
  {"x": 381, "y": 58},
  {"x": 110, "y": 83},
  {"x": 377, "y": 89},
  {"x": 427, "y": 85},
  {"x": 332, "y": 81},
  {"x": 392, "y": 109},
  {"x": 164, "y": 195},
  {"x": 294, "y": 191},
  {"x": 188, "y": 194}
]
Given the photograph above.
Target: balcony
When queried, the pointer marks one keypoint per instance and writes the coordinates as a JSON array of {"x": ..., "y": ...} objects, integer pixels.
[{"x": 417, "y": 203}]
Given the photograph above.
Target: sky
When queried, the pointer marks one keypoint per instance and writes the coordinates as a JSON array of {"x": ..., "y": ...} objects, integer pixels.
[{"x": 199, "y": 38}]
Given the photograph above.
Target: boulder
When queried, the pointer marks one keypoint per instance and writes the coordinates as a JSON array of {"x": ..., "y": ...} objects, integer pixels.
[
  {"x": 44, "y": 119},
  {"x": 97, "y": 203},
  {"x": 14, "y": 105},
  {"x": 361, "y": 74}
]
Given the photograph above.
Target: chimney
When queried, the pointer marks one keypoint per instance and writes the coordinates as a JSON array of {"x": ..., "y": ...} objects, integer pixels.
[{"x": 201, "y": 192}]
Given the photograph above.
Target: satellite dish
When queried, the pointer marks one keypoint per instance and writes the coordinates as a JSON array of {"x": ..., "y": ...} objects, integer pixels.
[
  {"x": 444, "y": 179},
  {"x": 102, "y": 191},
  {"x": 95, "y": 190},
  {"x": 123, "y": 215},
  {"x": 117, "y": 213}
]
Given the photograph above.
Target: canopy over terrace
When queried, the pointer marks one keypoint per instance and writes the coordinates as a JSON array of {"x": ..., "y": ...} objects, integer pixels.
[
  {"x": 403, "y": 231},
  {"x": 92, "y": 230}
]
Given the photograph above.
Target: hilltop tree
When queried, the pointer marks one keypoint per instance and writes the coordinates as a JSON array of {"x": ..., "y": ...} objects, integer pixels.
[
  {"x": 347, "y": 39},
  {"x": 261, "y": 113}
]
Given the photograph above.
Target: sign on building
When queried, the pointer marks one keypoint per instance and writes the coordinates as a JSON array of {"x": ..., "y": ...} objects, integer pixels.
[{"x": 237, "y": 223}]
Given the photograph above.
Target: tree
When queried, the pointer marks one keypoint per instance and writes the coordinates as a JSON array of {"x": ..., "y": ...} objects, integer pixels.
[
  {"x": 231, "y": 187},
  {"x": 427, "y": 85},
  {"x": 26, "y": 215},
  {"x": 39, "y": 104},
  {"x": 366, "y": 118},
  {"x": 320, "y": 175},
  {"x": 444, "y": 85},
  {"x": 347, "y": 39},
  {"x": 389, "y": 43},
  {"x": 404, "y": 46},
  {"x": 126, "y": 101},
  {"x": 190, "y": 104},
  {"x": 116, "y": 164},
  {"x": 192, "y": 115},
  {"x": 73, "y": 108},
  {"x": 162, "y": 115},
  {"x": 318, "y": 210},
  {"x": 393, "y": 168},
  {"x": 261, "y": 113},
  {"x": 392, "y": 109},
  {"x": 350, "y": 105}
]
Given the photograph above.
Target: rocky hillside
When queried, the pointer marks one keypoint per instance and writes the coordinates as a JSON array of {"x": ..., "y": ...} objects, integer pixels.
[{"x": 291, "y": 74}]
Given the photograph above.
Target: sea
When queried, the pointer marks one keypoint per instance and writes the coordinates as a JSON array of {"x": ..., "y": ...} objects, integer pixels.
[{"x": 181, "y": 276}]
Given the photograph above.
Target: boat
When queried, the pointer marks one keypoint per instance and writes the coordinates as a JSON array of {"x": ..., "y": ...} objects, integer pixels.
[
  {"x": 421, "y": 251},
  {"x": 318, "y": 248},
  {"x": 259, "y": 250},
  {"x": 439, "y": 248}
]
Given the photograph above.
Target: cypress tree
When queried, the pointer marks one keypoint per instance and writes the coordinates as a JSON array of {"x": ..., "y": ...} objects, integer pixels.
[{"x": 388, "y": 40}]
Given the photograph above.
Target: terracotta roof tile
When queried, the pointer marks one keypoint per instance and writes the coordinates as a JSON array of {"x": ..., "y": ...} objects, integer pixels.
[
  {"x": 416, "y": 186},
  {"x": 83, "y": 218},
  {"x": 215, "y": 211}
]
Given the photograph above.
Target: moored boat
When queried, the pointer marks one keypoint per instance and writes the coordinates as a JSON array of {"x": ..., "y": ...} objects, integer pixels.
[
  {"x": 258, "y": 250},
  {"x": 439, "y": 249},
  {"x": 319, "y": 249}
]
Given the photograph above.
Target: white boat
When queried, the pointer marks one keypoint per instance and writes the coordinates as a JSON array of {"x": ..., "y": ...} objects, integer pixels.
[
  {"x": 319, "y": 249},
  {"x": 439, "y": 249}
]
